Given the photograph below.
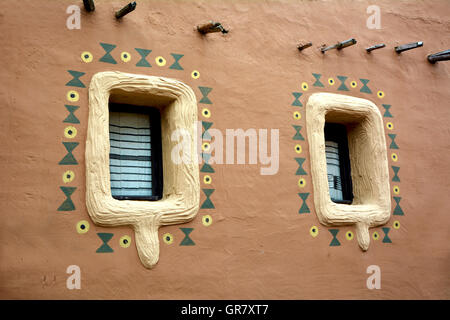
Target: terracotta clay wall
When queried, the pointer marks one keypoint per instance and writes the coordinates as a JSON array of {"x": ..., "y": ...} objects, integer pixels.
[{"x": 258, "y": 245}]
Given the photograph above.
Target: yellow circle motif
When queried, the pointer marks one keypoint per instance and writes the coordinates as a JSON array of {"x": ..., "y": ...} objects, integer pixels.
[
  {"x": 160, "y": 61},
  {"x": 301, "y": 182},
  {"x": 125, "y": 56},
  {"x": 125, "y": 241},
  {"x": 168, "y": 238},
  {"x": 207, "y": 179},
  {"x": 206, "y": 146},
  {"x": 297, "y": 115},
  {"x": 304, "y": 86},
  {"x": 207, "y": 220},
  {"x": 86, "y": 56},
  {"x": 331, "y": 81},
  {"x": 396, "y": 189},
  {"x": 70, "y": 132},
  {"x": 390, "y": 125},
  {"x": 396, "y": 225},
  {"x": 195, "y": 74},
  {"x": 394, "y": 157},
  {"x": 349, "y": 235},
  {"x": 73, "y": 96},
  {"x": 314, "y": 231},
  {"x": 82, "y": 226},
  {"x": 375, "y": 236},
  {"x": 380, "y": 94},
  {"x": 353, "y": 84},
  {"x": 298, "y": 148},
  {"x": 206, "y": 113},
  {"x": 68, "y": 176}
]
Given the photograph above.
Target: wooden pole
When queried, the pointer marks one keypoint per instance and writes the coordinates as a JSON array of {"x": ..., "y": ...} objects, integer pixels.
[
  {"x": 89, "y": 5},
  {"x": 126, "y": 10},
  {"x": 408, "y": 46}
]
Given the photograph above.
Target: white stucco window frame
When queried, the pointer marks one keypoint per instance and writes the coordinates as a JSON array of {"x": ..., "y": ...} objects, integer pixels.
[
  {"x": 181, "y": 190},
  {"x": 371, "y": 204}
]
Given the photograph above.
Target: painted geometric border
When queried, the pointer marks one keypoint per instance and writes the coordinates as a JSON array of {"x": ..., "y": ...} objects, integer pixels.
[
  {"x": 345, "y": 85},
  {"x": 76, "y": 86}
]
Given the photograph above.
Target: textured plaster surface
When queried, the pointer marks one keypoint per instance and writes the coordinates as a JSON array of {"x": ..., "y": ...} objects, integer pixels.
[
  {"x": 258, "y": 246},
  {"x": 371, "y": 204},
  {"x": 181, "y": 192}
]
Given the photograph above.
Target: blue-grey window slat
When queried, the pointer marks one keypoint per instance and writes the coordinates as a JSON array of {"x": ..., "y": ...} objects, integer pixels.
[
  {"x": 129, "y": 163},
  {"x": 333, "y": 170},
  {"x": 130, "y": 151},
  {"x": 129, "y": 188},
  {"x": 131, "y": 184},
  {"x": 130, "y": 154},
  {"x": 130, "y": 169},
  {"x": 142, "y": 148},
  {"x": 132, "y": 192},
  {"x": 130, "y": 144},
  {"x": 129, "y": 173},
  {"x": 332, "y": 162},
  {"x": 113, "y": 138},
  {"x": 125, "y": 127},
  {"x": 128, "y": 157},
  {"x": 126, "y": 137},
  {"x": 139, "y": 135},
  {"x": 129, "y": 176}
]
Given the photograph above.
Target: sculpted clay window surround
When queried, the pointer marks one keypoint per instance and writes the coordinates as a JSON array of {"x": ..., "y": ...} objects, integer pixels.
[
  {"x": 371, "y": 203},
  {"x": 179, "y": 200}
]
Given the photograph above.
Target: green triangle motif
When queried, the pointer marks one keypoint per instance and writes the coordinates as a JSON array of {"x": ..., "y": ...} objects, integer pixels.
[
  {"x": 398, "y": 210},
  {"x": 396, "y": 178},
  {"x": 176, "y": 65},
  {"x": 387, "y": 113},
  {"x": 108, "y": 57},
  {"x": 317, "y": 83},
  {"x": 71, "y": 118},
  {"x": 297, "y": 102},
  {"x": 304, "y": 208},
  {"x": 76, "y": 82},
  {"x": 298, "y": 135},
  {"x": 334, "y": 242},
  {"x": 105, "y": 248},
  {"x": 342, "y": 87},
  {"x": 205, "y": 91},
  {"x": 143, "y": 53},
  {"x": 365, "y": 88},
  {"x": 300, "y": 170},
  {"x": 187, "y": 241},
  {"x": 69, "y": 159},
  {"x": 386, "y": 238},
  {"x": 206, "y": 167},
  {"x": 67, "y": 205},
  {"x": 207, "y": 204},
  {"x": 206, "y": 126},
  {"x": 393, "y": 144}
]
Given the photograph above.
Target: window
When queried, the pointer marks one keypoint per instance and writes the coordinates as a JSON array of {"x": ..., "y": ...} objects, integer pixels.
[
  {"x": 337, "y": 126},
  {"x": 129, "y": 97},
  {"x": 338, "y": 163},
  {"x": 135, "y": 157}
]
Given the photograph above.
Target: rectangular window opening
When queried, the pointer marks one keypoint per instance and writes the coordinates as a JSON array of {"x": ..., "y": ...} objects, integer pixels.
[
  {"x": 338, "y": 163},
  {"x": 135, "y": 158}
]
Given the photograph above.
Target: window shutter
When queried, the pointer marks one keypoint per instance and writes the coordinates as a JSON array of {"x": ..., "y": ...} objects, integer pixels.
[
  {"x": 334, "y": 170},
  {"x": 130, "y": 155}
]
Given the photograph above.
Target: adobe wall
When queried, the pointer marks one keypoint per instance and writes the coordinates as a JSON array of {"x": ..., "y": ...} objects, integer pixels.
[{"x": 259, "y": 244}]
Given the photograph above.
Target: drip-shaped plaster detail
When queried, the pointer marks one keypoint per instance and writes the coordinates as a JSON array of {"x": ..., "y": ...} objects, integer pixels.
[
  {"x": 368, "y": 159},
  {"x": 181, "y": 191}
]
